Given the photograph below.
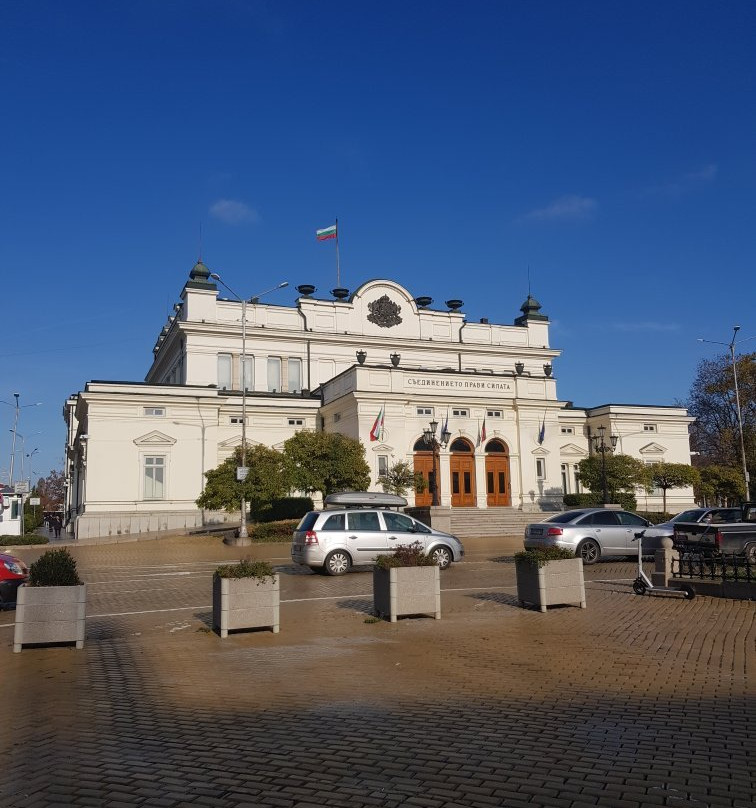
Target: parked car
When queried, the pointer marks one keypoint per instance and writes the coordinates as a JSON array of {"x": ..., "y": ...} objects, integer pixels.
[
  {"x": 356, "y": 527},
  {"x": 654, "y": 534},
  {"x": 737, "y": 536},
  {"x": 13, "y": 573},
  {"x": 591, "y": 533}
]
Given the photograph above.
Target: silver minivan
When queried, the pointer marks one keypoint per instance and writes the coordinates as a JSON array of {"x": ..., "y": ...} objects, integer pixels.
[{"x": 355, "y": 527}]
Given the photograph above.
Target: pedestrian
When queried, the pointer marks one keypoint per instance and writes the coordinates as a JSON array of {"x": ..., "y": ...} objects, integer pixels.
[{"x": 57, "y": 525}]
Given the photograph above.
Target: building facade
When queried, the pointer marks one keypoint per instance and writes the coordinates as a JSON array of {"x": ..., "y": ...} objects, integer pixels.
[{"x": 376, "y": 364}]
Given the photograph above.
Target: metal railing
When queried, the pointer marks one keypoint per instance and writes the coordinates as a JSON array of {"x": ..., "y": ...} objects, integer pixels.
[{"x": 719, "y": 567}]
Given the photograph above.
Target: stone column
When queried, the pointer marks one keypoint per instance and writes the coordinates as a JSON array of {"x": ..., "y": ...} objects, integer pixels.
[{"x": 662, "y": 574}]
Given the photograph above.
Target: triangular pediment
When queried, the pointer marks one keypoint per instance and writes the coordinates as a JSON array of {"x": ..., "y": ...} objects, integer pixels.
[
  {"x": 652, "y": 448},
  {"x": 540, "y": 452},
  {"x": 572, "y": 450},
  {"x": 155, "y": 438},
  {"x": 382, "y": 448},
  {"x": 236, "y": 440}
]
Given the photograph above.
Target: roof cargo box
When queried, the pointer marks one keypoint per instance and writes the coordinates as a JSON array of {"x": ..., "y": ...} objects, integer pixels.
[{"x": 364, "y": 499}]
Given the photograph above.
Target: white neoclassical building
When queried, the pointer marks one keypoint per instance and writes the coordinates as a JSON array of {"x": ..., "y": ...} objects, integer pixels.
[{"x": 375, "y": 364}]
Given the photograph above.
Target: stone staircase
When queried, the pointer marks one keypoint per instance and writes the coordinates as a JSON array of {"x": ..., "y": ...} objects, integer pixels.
[{"x": 470, "y": 523}]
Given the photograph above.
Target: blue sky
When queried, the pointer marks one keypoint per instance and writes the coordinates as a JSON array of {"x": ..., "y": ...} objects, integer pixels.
[{"x": 608, "y": 146}]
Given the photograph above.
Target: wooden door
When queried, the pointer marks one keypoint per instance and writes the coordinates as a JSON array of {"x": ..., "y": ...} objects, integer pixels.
[
  {"x": 462, "y": 468},
  {"x": 497, "y": 480},
  {"x": 423, "y": 462}
]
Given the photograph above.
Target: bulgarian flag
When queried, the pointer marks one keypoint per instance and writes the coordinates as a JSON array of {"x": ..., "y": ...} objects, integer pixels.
[
  {"x": 376, "y": 433},
  {"x": 326, "y": 233}
]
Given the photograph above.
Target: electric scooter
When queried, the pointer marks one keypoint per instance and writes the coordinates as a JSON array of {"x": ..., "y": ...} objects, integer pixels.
[{"x": 643, "y": 584}]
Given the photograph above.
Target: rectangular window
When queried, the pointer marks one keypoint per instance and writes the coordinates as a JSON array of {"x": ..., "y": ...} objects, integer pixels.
[
  {"x": 568, "y": 430},
  {"x": 296, "y": 422},
  {"x": 234, "y": 419},
  {"x": 295, "y": 375},
  {"x": 576, "y": 476},
  {"x": 274, "y": 374},
  {"x": 154, "y": 477},
  {"x": 247, "y": 373},
  {"x": 565, "y": 479},
  {"x": 649, "y": 427},
  {"x": 425, "y": 410},
  {"x": 540, "y": 468},
  {"x": 224, "y": 371},
  {"x": 158, "y": 412},
  {"x": 461, "y": 413},
  {"x": 493, "y": 413},
  {"x": 382, "y": 465}
]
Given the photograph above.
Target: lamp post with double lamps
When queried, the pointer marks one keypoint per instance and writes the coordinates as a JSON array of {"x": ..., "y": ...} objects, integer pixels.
[
  {"x": 430, "y": 439},
  {"x": 17, "y": 407},
  {"x": 241, "y": 471},
  {"x": 731, "y": 345},
  {"x": 600, "y": 445}
]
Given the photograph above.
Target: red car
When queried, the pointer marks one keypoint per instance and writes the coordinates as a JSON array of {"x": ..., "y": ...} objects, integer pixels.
[{"x": 13, "y": 573}]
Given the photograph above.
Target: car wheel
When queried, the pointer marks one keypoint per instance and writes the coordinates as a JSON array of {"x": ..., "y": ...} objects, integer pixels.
[
  {"x": 589, "y": 551},
  {"x": 337, "y": 563},
  {"x": 750, "y": 553},
  {"x": 442, "y": 556},
  {"x": 639, "y": 586}
]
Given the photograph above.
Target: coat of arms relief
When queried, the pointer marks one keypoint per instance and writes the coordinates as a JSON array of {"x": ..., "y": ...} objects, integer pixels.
[{"x": 384, "y": 312}]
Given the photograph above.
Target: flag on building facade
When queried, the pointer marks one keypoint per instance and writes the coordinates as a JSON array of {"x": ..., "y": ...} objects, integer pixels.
[
  {"x": 326, "y": 233},
  {"x": 483, "y": 431},
  {"x": 542, "y": 430},
  {"x": 376, "y": 433}
]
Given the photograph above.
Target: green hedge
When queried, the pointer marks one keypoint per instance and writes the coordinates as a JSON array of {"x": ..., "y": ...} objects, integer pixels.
[
  {"x": 627, "y": 501},
  {"x": 285, "y": 508},
  {"x": 273, "y": 531},
  {"x": 19, "y": 541},
  {"x": 655, "y": 517}
]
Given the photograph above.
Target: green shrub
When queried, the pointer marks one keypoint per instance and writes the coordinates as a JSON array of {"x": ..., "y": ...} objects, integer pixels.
[
  {"x": 274, "y": 531},
  {"x": 247, "y": 568},
  {"x": 54, "y": 568},
  {"x": 541, "y": 555},
  {"x": 405, "y": 555},
  {"x": 285, "y": 508},
  {"x": 20, "y": 541},
  {"x": 590, "y": 500},
  {"x": 655, "y": 517}
]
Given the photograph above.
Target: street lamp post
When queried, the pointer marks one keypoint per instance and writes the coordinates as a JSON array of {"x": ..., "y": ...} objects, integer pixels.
[
  {"x": 600, "y": 445},
  {"x": 430, "y": 439},
  {"x": 731, "y": 345},
  {"x": 241, "y": 471},
  {"x": 17, "y": 408}
]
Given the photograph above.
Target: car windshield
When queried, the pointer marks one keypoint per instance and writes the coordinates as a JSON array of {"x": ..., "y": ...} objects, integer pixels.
[
  {"x": 567, "y": 516},
  {"x": 689, "y": 516}
]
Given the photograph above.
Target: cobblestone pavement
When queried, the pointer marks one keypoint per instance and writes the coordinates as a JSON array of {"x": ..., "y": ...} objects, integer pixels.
[{"x": 632, "y": 701}]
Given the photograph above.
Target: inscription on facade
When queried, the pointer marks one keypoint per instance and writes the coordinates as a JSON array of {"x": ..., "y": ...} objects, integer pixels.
[
  {"x": 415, "y": 382},
  {"x": 384, "y": 312}
]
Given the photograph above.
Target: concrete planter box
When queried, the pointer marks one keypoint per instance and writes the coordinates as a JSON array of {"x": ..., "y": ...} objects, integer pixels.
[
  {"x": 241, "y": 603},
  {"x": 556, "y": 583},
  {"x": 401, "y": 591},
  {"x": 50, "y": 614}
]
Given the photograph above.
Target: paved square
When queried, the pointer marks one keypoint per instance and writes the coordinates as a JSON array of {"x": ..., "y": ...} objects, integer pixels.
[{"x": 632, "y": 701}]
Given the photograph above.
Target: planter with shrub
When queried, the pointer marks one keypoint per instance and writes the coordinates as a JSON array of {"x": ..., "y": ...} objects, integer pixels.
[
  {"x": 245, "y": 595},
  {"x": 549, "y": 576},
  {"x": 51, "y": 607},
  {"x": 406, "y": 583}
]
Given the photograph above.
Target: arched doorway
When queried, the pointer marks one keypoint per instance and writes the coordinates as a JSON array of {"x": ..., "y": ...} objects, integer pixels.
[
  {"x": 462, "y": 468},
  {"x": 423, "y": 463},
  {"x": 497, "y": 474}
]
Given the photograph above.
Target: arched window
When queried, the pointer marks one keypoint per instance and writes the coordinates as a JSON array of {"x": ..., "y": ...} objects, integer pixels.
[
  {"x": 460, "y": 445},
  {"x": 496, "y": 446},
  {"x": 421, "y": 446}
]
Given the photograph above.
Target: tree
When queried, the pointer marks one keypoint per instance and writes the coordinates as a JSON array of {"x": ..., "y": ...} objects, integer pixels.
[
  {"x": 51, "y": 491},
  {"x": 400, "y": 478},
  {"x": 623, "y": 474},
  {"x": 267, "y": 479},
  {"x": 715, "y": 434},
  {"x": 670, "y": 475},
  {"x": 326, "y": 462},
  {"x": 719, "y": 485}
]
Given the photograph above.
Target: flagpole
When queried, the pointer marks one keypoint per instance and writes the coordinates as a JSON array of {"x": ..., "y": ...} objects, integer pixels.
[{"x": 338, "y": 269}]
